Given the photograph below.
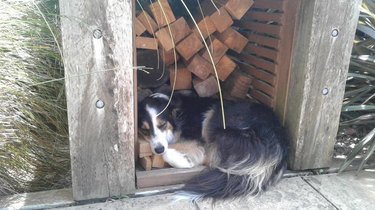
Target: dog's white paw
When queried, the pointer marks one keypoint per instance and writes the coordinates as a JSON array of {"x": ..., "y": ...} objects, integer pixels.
[{"x": 177, "y": 159}]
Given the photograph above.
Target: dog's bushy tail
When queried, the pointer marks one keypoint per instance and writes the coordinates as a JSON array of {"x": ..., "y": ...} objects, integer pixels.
[{"x": 247, "y": 162}]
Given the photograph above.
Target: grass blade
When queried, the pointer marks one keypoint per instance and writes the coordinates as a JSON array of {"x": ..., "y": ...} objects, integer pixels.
[
  {"x": 367, "y": 156},
  {"x": 356, "y": 150}
]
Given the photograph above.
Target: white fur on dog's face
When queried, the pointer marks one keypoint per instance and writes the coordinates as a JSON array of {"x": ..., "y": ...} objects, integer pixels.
[{"x": 162, "y": 132}]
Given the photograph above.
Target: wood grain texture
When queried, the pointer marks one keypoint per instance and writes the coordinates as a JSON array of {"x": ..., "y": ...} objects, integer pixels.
[
  {"x": 147, "y": 22},
  {"x": 217, "y": 50},
  {"x": 319, "y": 61},
  {"x": 167, "y": 176},
  {"x": 206, "y": 27},
  {"x": 146, "y": 43},
  {"x": 101, "y": 140},
  {"x": 232, "y": 39},
  {"x": 183, "y": 77},
  {"x": 238, "y": 8},
  {"x": 284, "y": 56},
  {"x": 188, "y": 47},
  {"x": 200, "y": 67},
  {"x": 162, "y": 13},
  {"x": 224, "y": 67},
  {"x": 221, "y": 19}
]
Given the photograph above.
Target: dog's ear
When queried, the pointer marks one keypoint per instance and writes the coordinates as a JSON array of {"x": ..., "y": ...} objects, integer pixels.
[{"x": 164, "y": 89}]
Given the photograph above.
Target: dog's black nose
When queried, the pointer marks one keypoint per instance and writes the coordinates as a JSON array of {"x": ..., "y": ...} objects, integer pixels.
[{"x": 159, "y": 149}]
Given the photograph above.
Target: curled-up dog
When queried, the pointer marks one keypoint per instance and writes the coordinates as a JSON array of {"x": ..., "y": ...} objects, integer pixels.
[{"x": 243, "y": 159}]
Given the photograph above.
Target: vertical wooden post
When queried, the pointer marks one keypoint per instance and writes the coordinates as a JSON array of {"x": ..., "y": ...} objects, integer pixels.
[
  {"x": 98, "y": 45},
  {"x": 325, "y": 33}
]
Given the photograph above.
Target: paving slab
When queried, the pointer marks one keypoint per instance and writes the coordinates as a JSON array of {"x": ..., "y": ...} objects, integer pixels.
[
  {"x": 347, "y": 191},
  {"x": 290, "y": 193},
  {"x": 38, "y": 200}
]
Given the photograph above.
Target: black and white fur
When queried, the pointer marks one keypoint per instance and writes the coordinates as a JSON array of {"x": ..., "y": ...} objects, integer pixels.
[{"x": 243, "y": 159}]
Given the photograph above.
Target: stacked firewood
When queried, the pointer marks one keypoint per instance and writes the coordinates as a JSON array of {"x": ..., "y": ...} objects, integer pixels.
[
  {"x": 181, "y": 47},
  {"x": 146, "y": 158}
]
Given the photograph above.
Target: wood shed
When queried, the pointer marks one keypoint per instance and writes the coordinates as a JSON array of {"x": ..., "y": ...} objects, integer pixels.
[{"x": 295, "y": 60}]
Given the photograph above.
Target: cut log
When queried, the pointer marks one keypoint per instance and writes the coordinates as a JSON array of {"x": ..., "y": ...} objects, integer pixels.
[
  {"x": 206, "y": 26},
  {"x": 146, "y": 163},
  {"x": 200, "y": 67},
  {"x": 232, "y": 39},
  {"x": 157, "y": 161},
  {"x": 221, "y": 19},
  {"x": 138, "y": 27},
  {"x": 225, "y": 67},
  {"x": 189, "y": 46},
  {"x": 164, "y": 14},
  {"x": 168, "y": 56},
  {"x": 144, "y": 148},
  {"x": 146, "y": 43},
  {"x": 147, "y": 22},
  {"x": 179, "y": 30},
  {"x": 237, "y": 85},
  {"x": 217, "y": 49},
  {"x": 184, "y": 77},
  {"x": 206, "y": 88},
  {"x": 164, "y": 37},
  {"x": 238, "y": 8}
]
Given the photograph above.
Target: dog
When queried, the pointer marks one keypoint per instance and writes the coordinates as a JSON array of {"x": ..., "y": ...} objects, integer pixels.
[{"x": 245, "y": 158}]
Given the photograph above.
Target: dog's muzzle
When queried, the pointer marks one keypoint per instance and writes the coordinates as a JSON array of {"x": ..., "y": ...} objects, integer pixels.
[{"x": 159, "y": 149}]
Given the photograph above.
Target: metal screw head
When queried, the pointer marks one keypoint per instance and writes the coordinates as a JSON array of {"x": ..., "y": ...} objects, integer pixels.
[
  {"x": 97, "y": 34},
  {"x": 335, "y": 32},
  {"x": 325, "y": 91},
  {"x": 99, "y": 104}
]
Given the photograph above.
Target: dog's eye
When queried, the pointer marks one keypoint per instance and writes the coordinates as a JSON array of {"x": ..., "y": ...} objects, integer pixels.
[
  {"x": 163, "y": 125},
  {"x": 145, "y": 132}
]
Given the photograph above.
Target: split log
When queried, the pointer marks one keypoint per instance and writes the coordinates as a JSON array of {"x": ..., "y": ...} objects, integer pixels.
[
  {"x": 183, "y": 79},
  {"x": 206, "y": 88},
  {"x": 147, "y": 22},
  {"x": 200, "y": 67},
  {"x": 189, "y": 46},
  {"x": 232, "y": 39},
  {"x": 225, "y": 67},
  {"x": 146, "y": 43}
]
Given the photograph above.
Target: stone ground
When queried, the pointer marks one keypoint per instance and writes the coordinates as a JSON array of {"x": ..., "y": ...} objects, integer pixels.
[{"x": 329, "y": 191}]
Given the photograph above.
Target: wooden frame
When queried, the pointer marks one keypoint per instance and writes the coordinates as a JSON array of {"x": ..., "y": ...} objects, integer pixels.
[
  {"x": 98, "y": 43},
  {"x": 319, "y": 69},
  {"x": 100, "y": 86}
]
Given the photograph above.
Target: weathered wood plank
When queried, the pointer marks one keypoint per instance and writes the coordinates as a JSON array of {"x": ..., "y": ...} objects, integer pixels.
[
  {"x": 262, "y": 51},
  {"x": 284, "y": 57},
  {"x": 267, "y": 4},
  {"x": 263, "y": 16},
  {"x": 98, "y": 35},
  {"x": 166, "y": 176},
  {"x": 320, "y": 61},
  {"x": 259, "y": 62},
  {"x": 263, "y": 28},
  {"x": 263, "y": 98},
  {"x": 264, "y": 40},
  {"x": 258, "y": 73}
]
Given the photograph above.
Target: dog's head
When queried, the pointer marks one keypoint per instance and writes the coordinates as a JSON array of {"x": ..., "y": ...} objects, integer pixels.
[{"x": 154, "y": 124}]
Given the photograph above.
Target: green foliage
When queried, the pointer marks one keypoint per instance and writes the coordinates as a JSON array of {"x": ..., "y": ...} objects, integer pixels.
[
  {"x": 34, "y": 151},
  {"x": 359, "y": 102}
]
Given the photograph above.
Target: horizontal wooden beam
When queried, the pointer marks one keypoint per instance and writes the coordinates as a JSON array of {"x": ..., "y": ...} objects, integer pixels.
[{"x": 166, "y": 176}]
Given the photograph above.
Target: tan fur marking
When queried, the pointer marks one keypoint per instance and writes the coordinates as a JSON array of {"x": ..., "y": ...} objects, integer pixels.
[
  {"x": 209, "y": 114},
  {"x": 145, "y": 126},
  {"x": 192, "y": 150},
  {"x": 212, "y": 155}
]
